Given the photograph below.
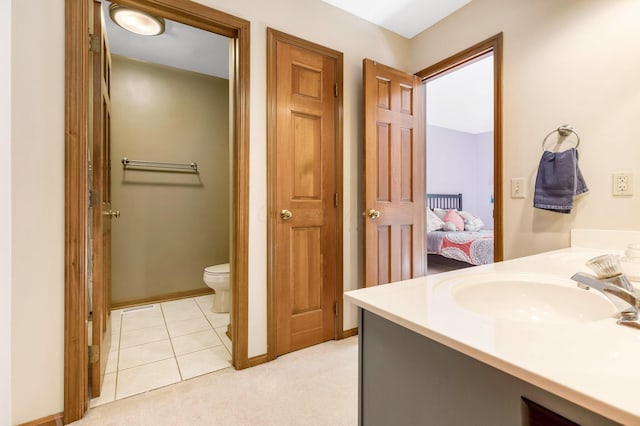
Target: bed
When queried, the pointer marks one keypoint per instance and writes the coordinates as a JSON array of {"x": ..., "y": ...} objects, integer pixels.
[{"x": 472, "y": 247}]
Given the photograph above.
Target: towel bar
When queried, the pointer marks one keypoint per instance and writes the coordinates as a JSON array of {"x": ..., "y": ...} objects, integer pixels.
[
  {"x": 163, "y": 165},
  {"x": 564, "y": 131}
]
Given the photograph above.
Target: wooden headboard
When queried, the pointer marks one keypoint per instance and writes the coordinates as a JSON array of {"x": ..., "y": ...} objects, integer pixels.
[{"x": 444, "y": 201}]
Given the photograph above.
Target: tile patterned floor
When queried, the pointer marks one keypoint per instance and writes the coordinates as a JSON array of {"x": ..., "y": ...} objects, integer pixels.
[{"x": 164, "y": 343}]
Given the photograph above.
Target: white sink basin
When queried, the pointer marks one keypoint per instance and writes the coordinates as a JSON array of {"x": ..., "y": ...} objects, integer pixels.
[{"x": 530, "y": 297}]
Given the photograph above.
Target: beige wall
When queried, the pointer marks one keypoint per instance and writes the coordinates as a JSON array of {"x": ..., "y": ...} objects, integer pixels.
[
  {"x": 37, "y": 208},
  {"x": 172, "y": 225},
  {"x": 565, "y": 62},
  {"x": 5, "y": 213}
]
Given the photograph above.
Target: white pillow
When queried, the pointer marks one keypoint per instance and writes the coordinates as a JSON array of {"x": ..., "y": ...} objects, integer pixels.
[
  {"x": 434, "y": 223},
  {"x": 471, "y": 222},
  {"x": 449, "y": 226},
  {"x": 441, "y": 213}
]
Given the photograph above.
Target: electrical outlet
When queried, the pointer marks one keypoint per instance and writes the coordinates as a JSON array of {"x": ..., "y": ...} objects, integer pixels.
[
  {"x": 518, "y": 188},
  {"x": 623, "y": 183}
]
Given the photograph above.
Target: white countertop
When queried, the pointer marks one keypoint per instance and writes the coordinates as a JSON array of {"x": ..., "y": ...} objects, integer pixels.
[{"x": 592, "y": 363}]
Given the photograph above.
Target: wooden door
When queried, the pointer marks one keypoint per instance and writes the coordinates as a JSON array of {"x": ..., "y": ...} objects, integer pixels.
[
  {"x": 394, "y": 175},
  {"x": 101, "y": 203},
  {"x": 304, "y": 207}
]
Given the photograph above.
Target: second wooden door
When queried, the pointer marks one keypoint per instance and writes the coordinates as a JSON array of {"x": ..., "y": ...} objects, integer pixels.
[{"x": 394, "y": 175}]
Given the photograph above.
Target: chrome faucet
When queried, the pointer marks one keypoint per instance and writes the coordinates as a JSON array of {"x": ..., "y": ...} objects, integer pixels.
[{"x": 612, "y": 282}]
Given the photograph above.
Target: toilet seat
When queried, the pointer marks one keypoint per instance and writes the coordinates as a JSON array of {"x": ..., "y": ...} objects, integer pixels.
[{"x": 222, "y": 269}]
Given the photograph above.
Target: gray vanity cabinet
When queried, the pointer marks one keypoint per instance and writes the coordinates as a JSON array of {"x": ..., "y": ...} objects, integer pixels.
[{"x": 408, "y": 379}]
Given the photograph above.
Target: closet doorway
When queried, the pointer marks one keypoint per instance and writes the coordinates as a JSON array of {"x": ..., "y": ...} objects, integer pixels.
[
  {"x": 304, "y": 177},
  {"x": 77, "y": 178}
]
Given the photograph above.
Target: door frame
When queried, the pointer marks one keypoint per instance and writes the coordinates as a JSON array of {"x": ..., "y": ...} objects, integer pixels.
[
  {"x": 492, "y": 44},
  {"x": 76, "y": 382},
  {"x": 273, "y": 36}
]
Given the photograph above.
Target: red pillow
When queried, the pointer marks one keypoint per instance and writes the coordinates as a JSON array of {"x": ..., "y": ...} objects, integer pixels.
[{"x": 453, "y": 217}]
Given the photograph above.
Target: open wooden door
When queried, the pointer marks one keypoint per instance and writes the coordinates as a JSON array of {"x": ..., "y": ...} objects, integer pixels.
[
  {"x": 394, "y": 175},
  {"x": 100, "y": 203}
]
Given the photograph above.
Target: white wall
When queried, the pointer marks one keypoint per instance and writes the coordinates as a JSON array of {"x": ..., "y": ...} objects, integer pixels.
[
  {"x": 571, "y": 62},
  {"x": 484, "y": 181},
  {"x": 5, "y": 213},
  {"x": 460, "y": 162},
  {"x": 38, "y": 173},
  {"x": 37, "y": 176}
]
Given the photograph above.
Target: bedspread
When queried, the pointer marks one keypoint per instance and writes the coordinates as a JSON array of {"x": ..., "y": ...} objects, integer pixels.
[{"x": 475, "y": 248}]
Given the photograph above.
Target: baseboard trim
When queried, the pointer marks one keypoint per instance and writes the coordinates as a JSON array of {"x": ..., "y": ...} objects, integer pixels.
[
  {"x": 52, "y": 420},
  {"x": 162, "y": 298},
  {"x": 349, "y": 333}
]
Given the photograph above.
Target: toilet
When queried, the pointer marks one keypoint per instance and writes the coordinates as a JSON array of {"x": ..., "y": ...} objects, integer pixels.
[{"x": 217, "y": 278}]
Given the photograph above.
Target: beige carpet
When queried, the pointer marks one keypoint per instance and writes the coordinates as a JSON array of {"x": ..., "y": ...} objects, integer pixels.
[{"x": 313, "y": 386}]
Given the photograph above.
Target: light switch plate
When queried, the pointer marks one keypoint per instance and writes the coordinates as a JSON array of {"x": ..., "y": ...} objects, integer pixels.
[{"x": 518, "y": 189}]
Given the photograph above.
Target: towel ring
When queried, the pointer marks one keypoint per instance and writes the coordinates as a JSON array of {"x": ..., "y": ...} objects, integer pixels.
[{"x": 563, "y": 131}]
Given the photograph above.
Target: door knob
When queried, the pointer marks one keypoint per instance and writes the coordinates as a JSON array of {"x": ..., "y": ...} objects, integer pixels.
[
  {"x": 285, "y": 214},
  {"x": 113, "y": 213},
  {"x": 373, "y": 214}
]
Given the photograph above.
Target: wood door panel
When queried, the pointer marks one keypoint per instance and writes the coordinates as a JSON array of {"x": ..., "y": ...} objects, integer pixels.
[
  {"x": 406, "y": 99},
  {"x": 307, "y": 156},
  {"x": 394, "y": 175},
  {"x": 383, "y": 138},
  {"x": 306, "y": 323},
  {"x": 304, "y": 255},
  {"x": 306, "y": 82},
  {"x": 395, "y": 249},
  {"x": 306, "y": 269},
  {"x": 383, "y": 93},
  {"x": 384, "y": 253},
  {"x": 406, "y": 164},
  {"x": 305, "y": 339},
  {"x": 406, "y": 251}
]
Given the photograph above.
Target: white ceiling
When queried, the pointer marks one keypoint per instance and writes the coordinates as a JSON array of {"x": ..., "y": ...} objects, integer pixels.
[
  {"x": 405, "y": 17},
  {"x": 463, "y": 100},
  {"x": 181, "y": 46}
]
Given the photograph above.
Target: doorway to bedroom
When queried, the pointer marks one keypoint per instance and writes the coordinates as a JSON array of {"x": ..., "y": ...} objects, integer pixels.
[{"x": 463, "y": 162}]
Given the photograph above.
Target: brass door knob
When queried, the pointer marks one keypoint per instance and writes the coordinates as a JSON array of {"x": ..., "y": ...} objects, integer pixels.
[
  {"x": 113, "y": 213},
  {"x": 285, "y": 214},
  {"x": 373, "y": 214}
]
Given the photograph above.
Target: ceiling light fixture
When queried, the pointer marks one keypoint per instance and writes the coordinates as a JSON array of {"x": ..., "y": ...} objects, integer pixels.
[{"x": 136, "y": 21}]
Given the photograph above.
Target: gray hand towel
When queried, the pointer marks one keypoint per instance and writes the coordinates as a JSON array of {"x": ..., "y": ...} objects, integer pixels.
[{"x": 558, "y": 181}]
